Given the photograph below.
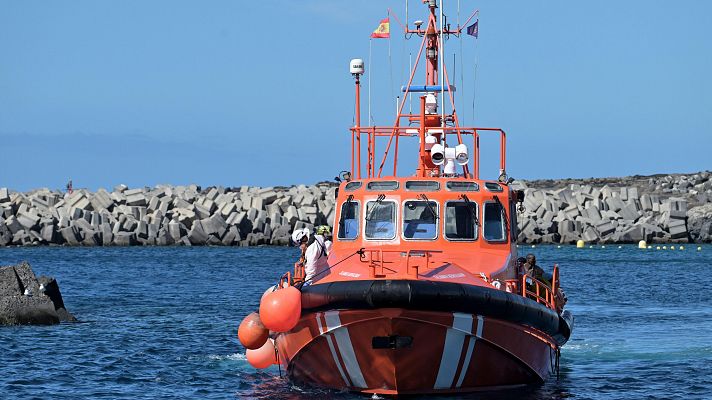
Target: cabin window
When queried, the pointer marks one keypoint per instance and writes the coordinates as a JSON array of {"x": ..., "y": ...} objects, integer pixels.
[
  {"x": 351, "y": 186},
  {"x": 381, "y": 220},
  {"x": 494, "y": 224},
  {"x": 493, "y": 186},
  {"x": 382, "y": 185},
  {"x": 461, "y": 220},
  {"x": 348, "y": 222},
  {"x": 460, "y": 186},
  {"x": 420, "y": 219},
  {"x": 422, "y": 186}
]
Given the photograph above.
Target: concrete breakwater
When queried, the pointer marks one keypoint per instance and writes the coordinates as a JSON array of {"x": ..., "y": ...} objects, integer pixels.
[{"x": 661, "y": 208}]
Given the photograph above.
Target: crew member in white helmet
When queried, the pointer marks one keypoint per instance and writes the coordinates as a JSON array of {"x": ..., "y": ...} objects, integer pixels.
[{"x": 315, "y": 258}]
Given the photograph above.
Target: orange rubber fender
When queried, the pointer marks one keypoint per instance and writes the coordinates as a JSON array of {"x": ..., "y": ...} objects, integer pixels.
[
  {"x": 280, "y": 310},
  {"x": 252, "y": 333},
  {"x": 262, "y": 357}
]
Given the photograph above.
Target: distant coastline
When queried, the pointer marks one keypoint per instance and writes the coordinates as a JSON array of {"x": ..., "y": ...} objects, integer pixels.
[{"x": 674, "y": 208}]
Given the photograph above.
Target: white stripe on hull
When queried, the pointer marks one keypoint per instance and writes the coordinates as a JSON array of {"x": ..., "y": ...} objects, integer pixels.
[
  {"x": 454, "y": 340},
  {"x": 470, "y": 348},
  {"x": 330, "y": 342},
  {"x": 343, "y": 340}
]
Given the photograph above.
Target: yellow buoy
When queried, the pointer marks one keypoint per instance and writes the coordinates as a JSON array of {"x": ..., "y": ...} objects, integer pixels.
[
  {"x": 664, "y": 247},
  {"x": 650, "y": 247},
  {"x": 682, "y": 247},
  {"x": 642, "y": 244},
  {"x": 620, "y": 247},
  {"x": 657, "y": 248},
  {"x": 580, "y": 244},
  {"x": 533, "y": 246},
  {"x": 603, "y": 247},
  {"x": 558, "y": 247},
  {"x": 672, "y": 247},
  {"x": 590, "y": 247},
  {"x": 699, "y": 248}
]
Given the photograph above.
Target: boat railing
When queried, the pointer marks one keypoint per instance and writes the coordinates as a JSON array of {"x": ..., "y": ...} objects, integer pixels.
[
  {"x": 372, "y": 133},
  {"x": 415, "y": 262},
  {"x": 541, "y": 292}
]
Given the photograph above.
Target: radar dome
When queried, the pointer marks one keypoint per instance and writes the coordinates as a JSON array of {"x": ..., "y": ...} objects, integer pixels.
[{"x": 356, "y": 66}]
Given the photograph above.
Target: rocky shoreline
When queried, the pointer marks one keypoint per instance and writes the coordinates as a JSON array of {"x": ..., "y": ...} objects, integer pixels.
[{"x": 661, "y": 208}]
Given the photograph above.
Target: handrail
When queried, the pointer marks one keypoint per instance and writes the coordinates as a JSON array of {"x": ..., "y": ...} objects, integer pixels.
[{"x": 541, "y": 292}]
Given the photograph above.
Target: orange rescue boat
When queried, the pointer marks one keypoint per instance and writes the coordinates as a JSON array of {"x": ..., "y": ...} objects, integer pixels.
[{"x": 423, "y": 293}]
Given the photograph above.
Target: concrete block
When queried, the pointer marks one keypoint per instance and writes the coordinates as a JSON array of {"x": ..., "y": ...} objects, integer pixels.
[
  {"x": 589, "y": 234},
  {"x": 71, "y": 235},
  {"x": 593, "y": 213},
  {"x": 571, "y": 212},
  {"x": 101, "y": 200},
  {"x": 268, "y": 196},
  {"x": 197, "y": 234},
  {"x": 227, "y": 208},
  {"x": 605, "y": 228},
  {"x": 142, "y": 230},
  {"x": 629, "y": 212},
  {"x": 125, "y": 239},
  {"x": 79, "y": 200},
  {"x": 214, "y": 225},
  {"x": 252, "y": 214},
  {"x": 246, "y": 201},
  {"x": 200, "y": 211},
  {"x": 4, "y": 195},
  {"x": 615, "y": 203},
  {"x": 29, "y": 220},
  {"x": 49, "y": 233},
  {"x": 176, "y": 230},
  {"x": 231, "y": 236},
  {"x": 163, "y": 238},
  {"x": 257, "y": 203},
  {"x": 678, "y": 232},
  {"x": 136, "y": 199},
  {"x": 107, "y": 236}
]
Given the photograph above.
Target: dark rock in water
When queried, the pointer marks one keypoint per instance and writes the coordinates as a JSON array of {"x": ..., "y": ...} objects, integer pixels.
[{"x": 26, "y": 300}]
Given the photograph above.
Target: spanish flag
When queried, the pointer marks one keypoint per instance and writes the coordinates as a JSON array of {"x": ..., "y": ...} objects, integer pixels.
[{"x": 383, "y": 31}]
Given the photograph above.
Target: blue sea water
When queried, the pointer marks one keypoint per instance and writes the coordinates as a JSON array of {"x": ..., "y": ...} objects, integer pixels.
[{"x": 162, "y": 323}]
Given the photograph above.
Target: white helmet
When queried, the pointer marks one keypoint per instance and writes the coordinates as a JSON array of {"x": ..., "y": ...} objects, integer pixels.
[{"x": 299, "y": 234}]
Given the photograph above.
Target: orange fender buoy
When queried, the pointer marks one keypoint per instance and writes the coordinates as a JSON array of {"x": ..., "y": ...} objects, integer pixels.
[
  {"x": 262, "y": 357},
  {"x": 252, "y": 333},
  {"x": 280, "y": 310},
  {"x": 269, "y": 290}
]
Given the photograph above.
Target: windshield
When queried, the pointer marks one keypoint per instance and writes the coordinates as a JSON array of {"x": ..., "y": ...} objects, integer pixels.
[
  {"x": 381, "y": 219},
  {"x": 460, "y": 220},
  {"x": 419, "y": 220},
  {"x": 348, "y": 223},
  {"x": 494, "y": 223}
]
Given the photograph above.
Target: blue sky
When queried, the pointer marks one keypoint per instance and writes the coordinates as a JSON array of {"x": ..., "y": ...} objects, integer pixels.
[{"x": 258, "y": 93}]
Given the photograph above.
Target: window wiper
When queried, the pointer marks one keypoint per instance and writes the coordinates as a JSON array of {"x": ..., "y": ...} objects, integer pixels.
[
  {"x": 379, "y": 199},
  {"x": 422, "y": 196},
  {"x": 472, "y": 208},
  {"x": 504, "y": 213},
  {"x": 349, "y": 200}
]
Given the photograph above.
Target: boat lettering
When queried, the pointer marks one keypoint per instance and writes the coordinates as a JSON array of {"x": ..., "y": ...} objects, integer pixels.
[{"x": 450, "y": 276}]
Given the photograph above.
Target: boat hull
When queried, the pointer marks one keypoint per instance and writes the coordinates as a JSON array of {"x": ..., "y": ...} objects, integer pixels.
[{"x": 401, "y": 351}]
